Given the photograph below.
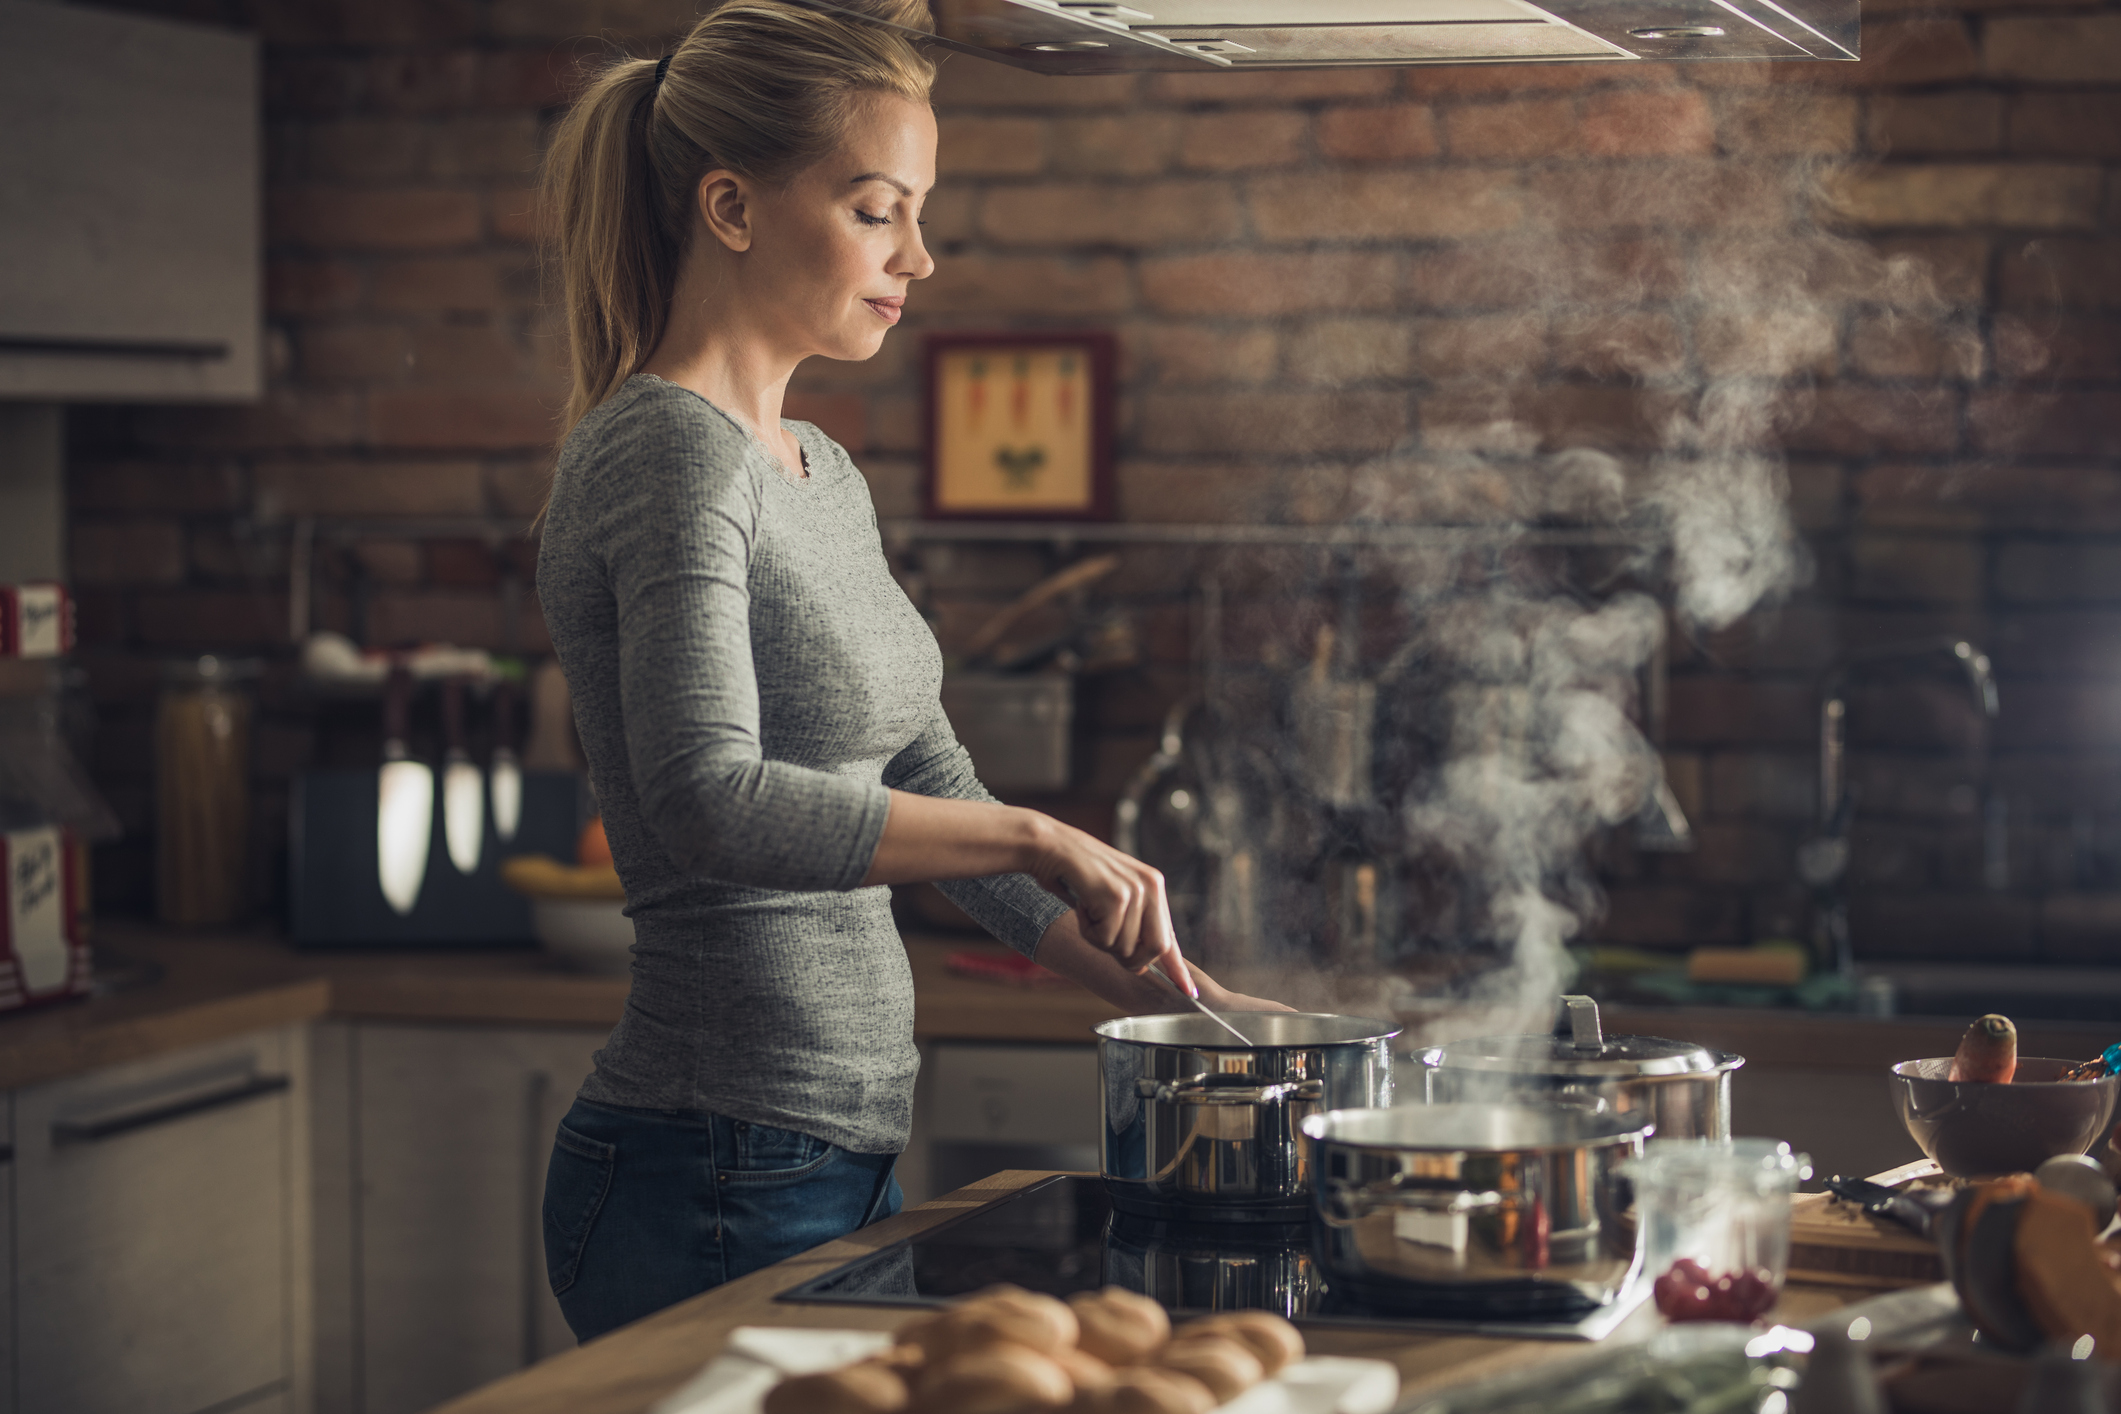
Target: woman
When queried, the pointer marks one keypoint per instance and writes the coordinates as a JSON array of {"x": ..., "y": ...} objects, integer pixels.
[{"x": 757, "y": 699}]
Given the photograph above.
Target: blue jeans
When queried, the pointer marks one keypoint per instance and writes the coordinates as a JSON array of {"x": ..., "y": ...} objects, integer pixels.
[{"x": 644, "y": 1208}]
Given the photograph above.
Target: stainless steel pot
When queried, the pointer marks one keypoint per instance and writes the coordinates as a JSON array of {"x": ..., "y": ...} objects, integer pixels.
[
  {"x": 1199, "y": 1128},
  {"x": 1475, "y": 1209},
  {"x": 1684, "y": 1089}
]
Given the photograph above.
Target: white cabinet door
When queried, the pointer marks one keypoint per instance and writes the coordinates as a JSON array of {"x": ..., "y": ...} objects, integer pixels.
[
  {"x": 1014, "y": 1094},
  {"x": 160, "y": 1235},
  {"x": 452, "y": 1130},
  {"x": 7, "y": 1255},
  {"x": 129, "y": 188},
  {"x": 983, "y": 1108}
]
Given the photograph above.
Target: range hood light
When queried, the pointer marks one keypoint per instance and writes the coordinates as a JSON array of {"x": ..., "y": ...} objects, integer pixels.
[
  {"x": 1212, "y": 46},
  {"x": 1103, "y": 10},
  {"x": 1204, "y": 36}
]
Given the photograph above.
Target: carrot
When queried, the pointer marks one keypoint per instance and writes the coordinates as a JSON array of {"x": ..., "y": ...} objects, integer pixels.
[
  {"x": 593, "y": 848},
  {"x": 1988, "y": 1051}
]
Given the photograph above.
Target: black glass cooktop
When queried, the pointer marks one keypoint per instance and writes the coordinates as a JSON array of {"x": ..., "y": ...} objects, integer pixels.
[{"x": 1061, "y": 1236}]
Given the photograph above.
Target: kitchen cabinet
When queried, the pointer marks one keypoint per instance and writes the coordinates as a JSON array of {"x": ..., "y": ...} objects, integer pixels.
[
  {"x": 129, "y": 208},
  {"x": 162, "y": 1234},
  {"x": 432, "y": 1264},
  {"x": 7, "y": 1254},
  {"x": 982, "y": 1108}
]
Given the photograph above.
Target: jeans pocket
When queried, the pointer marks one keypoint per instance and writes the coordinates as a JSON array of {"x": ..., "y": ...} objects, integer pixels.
[
  {"x": 762, "y": 1154},
  {"x": 577, "y": 1181}
]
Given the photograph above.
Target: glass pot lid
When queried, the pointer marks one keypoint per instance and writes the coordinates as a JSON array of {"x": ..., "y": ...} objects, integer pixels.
[{"x": 1584, "y": 1050}]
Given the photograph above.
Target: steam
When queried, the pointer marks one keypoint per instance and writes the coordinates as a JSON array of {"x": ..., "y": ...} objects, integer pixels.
[{"x": 1521, "y": 682}]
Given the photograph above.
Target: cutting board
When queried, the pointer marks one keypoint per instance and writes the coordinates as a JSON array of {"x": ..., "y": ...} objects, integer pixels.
[{"x": 1836, "y": 1243}]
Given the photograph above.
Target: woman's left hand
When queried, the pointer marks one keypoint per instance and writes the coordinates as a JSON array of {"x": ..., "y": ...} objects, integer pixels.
[
  {"x": 1221, "y": 998},
  {"x": 1065, "y": 950}
]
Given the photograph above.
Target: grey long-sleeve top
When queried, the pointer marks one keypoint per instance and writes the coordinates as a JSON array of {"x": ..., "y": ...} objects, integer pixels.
[{"x": 749, "y": 683}]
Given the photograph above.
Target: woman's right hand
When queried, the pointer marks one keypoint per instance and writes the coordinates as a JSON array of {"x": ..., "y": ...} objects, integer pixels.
[
  {"x": 1119, "y": 901},
  {"x": 1120, "y": 904}
]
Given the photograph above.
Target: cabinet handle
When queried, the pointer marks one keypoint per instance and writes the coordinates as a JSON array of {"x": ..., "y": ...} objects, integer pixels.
[
  {"x": 87, "y": 1131},
  {"x": 119, "y": 348}
]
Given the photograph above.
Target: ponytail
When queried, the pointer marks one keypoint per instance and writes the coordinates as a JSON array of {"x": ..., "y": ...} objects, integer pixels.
[
  {"x": 618, "y": 264},
  {"x": 761, "y": 88}
]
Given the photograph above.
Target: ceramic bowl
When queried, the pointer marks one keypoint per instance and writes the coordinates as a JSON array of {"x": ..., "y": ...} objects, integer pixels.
[
  {"x": 588, "y": 934},
  {"x": 1977, "y": 1129}
]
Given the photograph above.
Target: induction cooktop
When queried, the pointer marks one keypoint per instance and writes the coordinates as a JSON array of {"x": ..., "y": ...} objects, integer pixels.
[{"x": 1061, "y": 1235}]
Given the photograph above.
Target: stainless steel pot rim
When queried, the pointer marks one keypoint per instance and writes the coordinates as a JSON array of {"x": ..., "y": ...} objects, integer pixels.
[
  {"x": 1474, "y": 1128},
  {"x": 1266, "y": 1030},
  {"x": 1620, "y": 1058}
]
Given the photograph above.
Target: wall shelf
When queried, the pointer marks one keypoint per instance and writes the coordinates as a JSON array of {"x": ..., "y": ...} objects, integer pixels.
[{"x": 1069, "y": 533}]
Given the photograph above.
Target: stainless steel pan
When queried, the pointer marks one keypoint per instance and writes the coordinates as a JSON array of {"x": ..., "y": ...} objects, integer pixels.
[
  {"x": 1201, "y": 1127},
  {"x": 1475, "y": 1209}
]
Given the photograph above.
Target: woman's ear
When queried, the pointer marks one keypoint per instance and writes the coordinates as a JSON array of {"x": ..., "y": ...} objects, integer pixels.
[{"x": 725, "y": 205}]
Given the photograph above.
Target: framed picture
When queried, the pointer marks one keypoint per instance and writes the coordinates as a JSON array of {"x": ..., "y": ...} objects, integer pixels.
[{"x": 1020, "y": 426}]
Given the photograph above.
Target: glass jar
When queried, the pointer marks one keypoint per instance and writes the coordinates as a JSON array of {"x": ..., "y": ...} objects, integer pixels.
[
  {"x": 202, "y": 791},
  {"x": 1715, "y": 1218}
]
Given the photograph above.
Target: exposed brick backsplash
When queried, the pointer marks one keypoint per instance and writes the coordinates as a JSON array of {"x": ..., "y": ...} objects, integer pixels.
[{"x": 1328, "y": 288}]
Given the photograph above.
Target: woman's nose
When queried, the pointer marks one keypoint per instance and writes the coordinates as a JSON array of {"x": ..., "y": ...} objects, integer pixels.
[{"x": 913, "y": 260}]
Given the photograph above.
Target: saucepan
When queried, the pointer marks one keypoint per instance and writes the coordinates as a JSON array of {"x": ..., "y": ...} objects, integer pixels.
[
  {"x": 1202, "y": 1127},
  {"x": 1683, "y": 1088},
  {"x": 1475, "y": 1210}
]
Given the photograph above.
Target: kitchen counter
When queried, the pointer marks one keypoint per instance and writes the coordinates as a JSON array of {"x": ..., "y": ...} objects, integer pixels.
[
  {"x": 630, "y": 1369},
  {"x": 216, "y": 985},
  {"x": 220, "y": 984}
]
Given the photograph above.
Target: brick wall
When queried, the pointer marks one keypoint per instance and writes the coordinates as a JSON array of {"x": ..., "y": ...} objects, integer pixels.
[{"x": 1330, "y": 288}]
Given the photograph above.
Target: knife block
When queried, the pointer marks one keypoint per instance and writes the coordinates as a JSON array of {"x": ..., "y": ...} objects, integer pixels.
[{"x": 335, "y": 899}]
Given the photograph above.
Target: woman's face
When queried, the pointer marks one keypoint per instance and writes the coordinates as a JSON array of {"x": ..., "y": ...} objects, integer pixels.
[{"x": 832, "y": 250}]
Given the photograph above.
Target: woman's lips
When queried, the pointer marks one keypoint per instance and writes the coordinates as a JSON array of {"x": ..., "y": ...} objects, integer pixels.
[{"x": 886, "y": 309}]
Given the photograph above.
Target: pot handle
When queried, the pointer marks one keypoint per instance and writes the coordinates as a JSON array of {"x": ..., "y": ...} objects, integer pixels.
[
  {"x": 1346, "y": 1202},
  {"x": 1196, "y": 1091},
  {"x": 1445, "y": 1200}
]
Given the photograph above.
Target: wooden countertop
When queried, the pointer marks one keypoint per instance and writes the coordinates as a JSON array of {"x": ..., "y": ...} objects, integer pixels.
[
  {"x": 630, "y": 1369},
  {"x": 216, "y": 985}
]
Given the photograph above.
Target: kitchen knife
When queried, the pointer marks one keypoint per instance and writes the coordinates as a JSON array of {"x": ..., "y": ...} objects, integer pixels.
[
  {"x": 1914, "y": 1211},
  {"x": 463, "y": 786},
  {"x": 405, "y": 801},
  {"x": 504, "y": 784}
]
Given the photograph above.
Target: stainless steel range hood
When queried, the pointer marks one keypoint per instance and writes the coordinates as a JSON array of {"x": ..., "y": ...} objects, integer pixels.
[{"x": 1105, "y": 36}]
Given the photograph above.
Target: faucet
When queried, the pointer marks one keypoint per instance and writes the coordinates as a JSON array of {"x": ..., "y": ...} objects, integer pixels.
[{"x": 1823, "y": 860}]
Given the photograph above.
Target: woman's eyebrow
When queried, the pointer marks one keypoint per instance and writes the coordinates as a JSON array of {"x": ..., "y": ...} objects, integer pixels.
[{"x": 903, "y": 189}]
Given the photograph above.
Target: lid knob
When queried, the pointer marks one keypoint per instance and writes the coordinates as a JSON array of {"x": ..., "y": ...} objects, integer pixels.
[{"x": 1584, "y": 1031}]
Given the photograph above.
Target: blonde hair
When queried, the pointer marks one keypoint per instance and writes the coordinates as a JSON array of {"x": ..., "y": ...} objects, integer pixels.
[{"x": 761, "y": 88}]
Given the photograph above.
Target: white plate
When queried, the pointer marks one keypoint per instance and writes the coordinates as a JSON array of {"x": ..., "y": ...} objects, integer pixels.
[{"x": 759, "y": 1357}]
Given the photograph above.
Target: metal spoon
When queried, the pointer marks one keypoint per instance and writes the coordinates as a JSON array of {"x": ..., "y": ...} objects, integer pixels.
[{"x": 1198, "y": 1005}]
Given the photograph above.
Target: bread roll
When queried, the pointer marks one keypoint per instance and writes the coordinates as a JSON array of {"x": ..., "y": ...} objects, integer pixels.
[
  {"x": 1084, "y": 1369},
  {"x": 866, "y": 1388},
  {"x": 1273, "y": 1341},
  {"x": 1090, "y": 1401},
  {"x": 1144, "y": 1389},
  {"x": 1002, "y": 1316},
  {"x": 1224, "y": 1365},
  {"x": 1118, "y": 1326},
  {"x": 1003, "y": 1379}
]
